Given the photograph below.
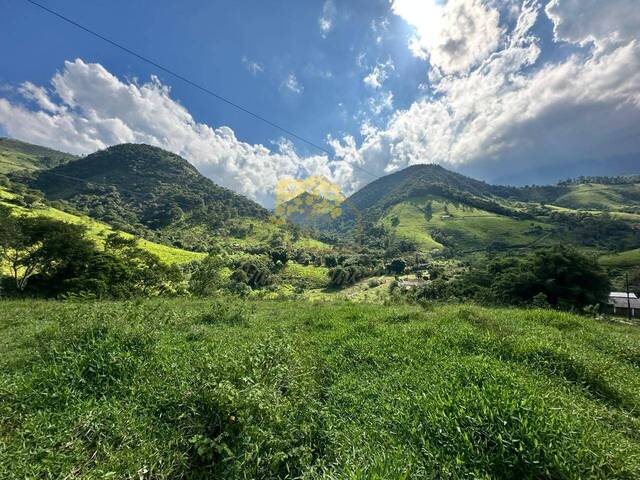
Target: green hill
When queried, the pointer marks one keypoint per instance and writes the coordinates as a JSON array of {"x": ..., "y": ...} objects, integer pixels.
[
  {"x": 190, "y": 388},
  {"x": 421, "y": 180},
  {"x": 629, "y": 258},
  {"x": 309, "y": 209},
  {"x": 458, "y": 225},
  {"x": 592, "y": 196},
  {"x": 98, "y": 231},
  {"x": 433, "y": 207},
  {"x": 145, "y": 189},
  {"x": 16, "y": 155}
]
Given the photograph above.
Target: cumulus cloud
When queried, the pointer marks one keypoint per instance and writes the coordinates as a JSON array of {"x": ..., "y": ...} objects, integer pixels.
[
  {"x": 514, "y": 112},
  {"x": 455, "y": 35},
  {"x": 501, "y": 107},
  {"x": 381, "y": 103},
  {"x": 325, "y": 22},
  {"x": 96, "y": 109},
  {"x": 40, "y": 96},
  {"x": 602, "y": 22}
]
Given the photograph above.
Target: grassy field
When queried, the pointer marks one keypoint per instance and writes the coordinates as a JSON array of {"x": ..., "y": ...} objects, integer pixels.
[
  {"x": 16, "y": 155},
  {"x": 210, "y": 389},
  {"x": 467, "y": 227},
  {"x": 630, "y": 258},
  {"x": 412, "y": 225},
  {"x": 600, "y": 197}
]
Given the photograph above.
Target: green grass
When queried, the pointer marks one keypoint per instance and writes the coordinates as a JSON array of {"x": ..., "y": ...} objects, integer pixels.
[
  {"x": 600, "y": 197},
  {"x": 308, "y": 276},
  {"x": 630, "y": 258},
  {"x": 412, "y": 225},
  {"x": 466, "y": 227},
  {"x": 27, "y": 156},
  {"x": 210, "y": 389}
]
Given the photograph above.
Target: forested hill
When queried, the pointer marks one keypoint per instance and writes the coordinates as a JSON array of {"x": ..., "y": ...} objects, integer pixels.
[
  {"x": 421, "y": 180},
  {"x": 433, "y": 180},
  {"x": 133, "y": 185}
]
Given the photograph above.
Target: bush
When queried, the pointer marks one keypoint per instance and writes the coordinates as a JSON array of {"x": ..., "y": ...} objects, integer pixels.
[
  {"x": 343, "y": 276},
  {"x": 205, "y": 279},
  {"x": 397, "y": 266}
]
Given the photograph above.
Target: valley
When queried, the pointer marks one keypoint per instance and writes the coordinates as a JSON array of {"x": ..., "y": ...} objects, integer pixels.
[{"x": 153, "y": 322}]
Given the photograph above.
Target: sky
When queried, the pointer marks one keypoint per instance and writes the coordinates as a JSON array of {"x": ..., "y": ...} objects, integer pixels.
[{"x": 508, "y": 91}]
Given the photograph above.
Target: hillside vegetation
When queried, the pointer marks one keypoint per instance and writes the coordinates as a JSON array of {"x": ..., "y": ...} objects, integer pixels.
[
  {"x": 145, "y": 190},
  {"x": 16, "y": 155},
  {"x": 98, "y": 231},
  {"x": 458, "y": 225},
  {"x": 601, "y": 197},
  {"x": 221, "y": 389}
]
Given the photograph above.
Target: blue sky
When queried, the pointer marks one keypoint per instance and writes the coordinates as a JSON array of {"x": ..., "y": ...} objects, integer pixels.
[
  {"x": 245, "y": 51},
  {"x": 507, "y": 90}
]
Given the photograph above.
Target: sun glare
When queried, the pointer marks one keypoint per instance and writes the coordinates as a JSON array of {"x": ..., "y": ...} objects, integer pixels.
[{"x": 426, "y": 16}]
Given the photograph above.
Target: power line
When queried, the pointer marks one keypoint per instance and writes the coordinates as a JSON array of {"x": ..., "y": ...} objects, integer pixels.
[{"x": 192, "y": 83}]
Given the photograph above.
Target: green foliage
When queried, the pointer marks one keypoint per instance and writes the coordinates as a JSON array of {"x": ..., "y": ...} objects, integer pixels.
[
  {"x": 27, "y": 156},
  {"x": 206, "y": 276},
  {"x": 50, "y": 258},
  {"x": 147, "y": 189},
  {"x": 166, "y": 389},
  {"x": 345, "y": 275},
  {"x": 397, "y": 266},
  {"x": 567, "y": 278}
]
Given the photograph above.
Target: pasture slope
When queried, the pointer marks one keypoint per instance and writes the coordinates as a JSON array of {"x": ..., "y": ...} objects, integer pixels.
[
  {"x": 98, "y": 231},
  {"x": 271, "y": 389}
]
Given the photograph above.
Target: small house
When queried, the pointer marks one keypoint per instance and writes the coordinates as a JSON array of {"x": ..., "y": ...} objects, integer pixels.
[
  {"x": 411, "y": 283},
  {"x": 620, "y": 304}
]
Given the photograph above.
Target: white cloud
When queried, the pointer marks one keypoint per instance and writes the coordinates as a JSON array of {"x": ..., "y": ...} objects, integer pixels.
[
  {"x": 253, "y": 67},
  {"x": 455, "y": 35},
  {"x": 513, "y": 112},
  {"x": 381, "y": 103},
  {"x": 506, "y": 110},
  {"x": 326, "y": 20},
  {"x": 292, "y": 85},
  {"x": 380, "y": 29},
  {"x": 600, "y": 21},
  {"x": 40, "y": 96},
  {"x": 379, "y": 74},
  {"x": 97, "y": 110}
]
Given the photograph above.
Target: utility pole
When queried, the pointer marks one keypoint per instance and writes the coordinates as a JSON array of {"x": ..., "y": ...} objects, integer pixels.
[{"x": 628, "y": 299}]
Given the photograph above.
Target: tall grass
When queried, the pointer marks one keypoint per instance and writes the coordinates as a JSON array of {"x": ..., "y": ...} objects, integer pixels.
[{"x": 217, "y": 389}]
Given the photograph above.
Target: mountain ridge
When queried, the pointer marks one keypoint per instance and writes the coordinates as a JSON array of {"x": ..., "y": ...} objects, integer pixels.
[{"x": 142, "y": 186}]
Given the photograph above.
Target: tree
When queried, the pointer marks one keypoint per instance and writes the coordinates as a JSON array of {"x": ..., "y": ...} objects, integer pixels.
[
  {"x": 345, "y": 275},
  {"x": 206, "y": 279},
  {"x": 40, "y": 246},
  {"x": 149, "y": 275},
  {"x": 428, "y": 211},
  {"x": 397, "y": 266},
  {"x": 567, "y": 278},
  {"x": 14, "y": 249}
]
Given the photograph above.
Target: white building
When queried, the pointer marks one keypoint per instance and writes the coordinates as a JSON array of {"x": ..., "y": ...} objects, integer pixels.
[{"x": 620, "y": 304}]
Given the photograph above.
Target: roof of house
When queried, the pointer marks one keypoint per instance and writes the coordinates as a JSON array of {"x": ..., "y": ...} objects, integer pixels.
[
  {"x": 411, "y": 283},
  {"x": 623, "y": 294},
  {"x": 619, "y": 300}
]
